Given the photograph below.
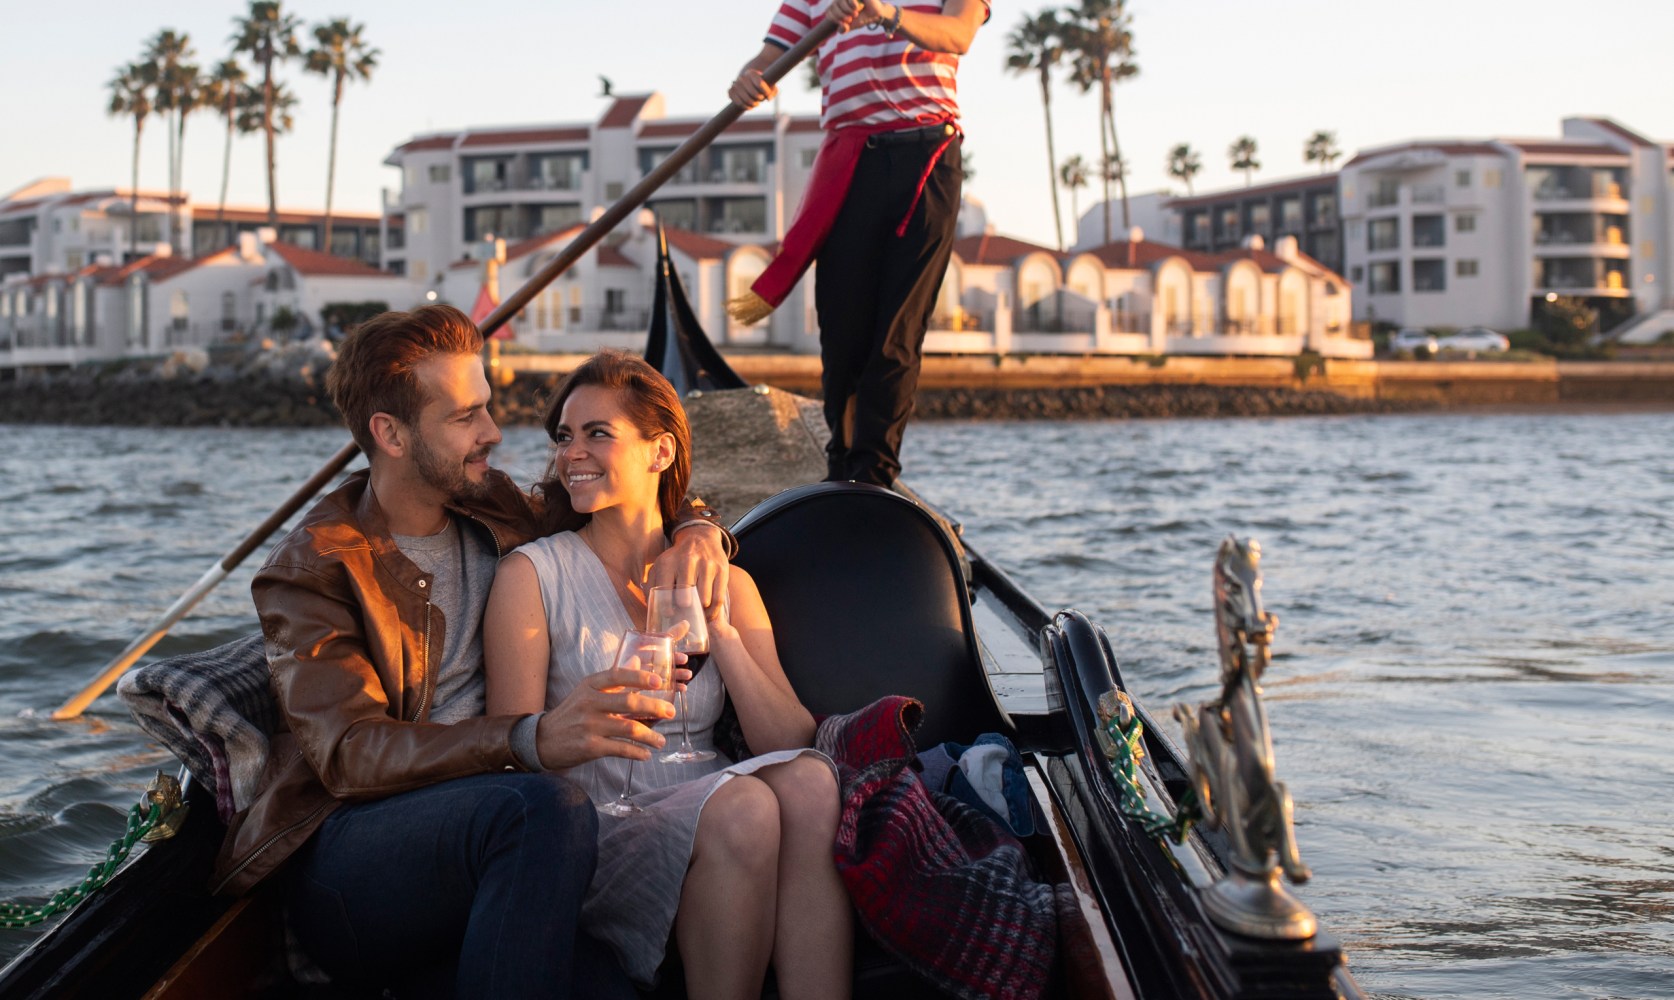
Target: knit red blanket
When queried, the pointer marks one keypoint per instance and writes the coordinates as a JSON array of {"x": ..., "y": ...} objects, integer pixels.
[{"x": 937, "y": 883}]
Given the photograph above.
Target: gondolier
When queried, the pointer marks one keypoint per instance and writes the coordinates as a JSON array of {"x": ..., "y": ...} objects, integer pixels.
[{"x": 880, "y": 209}]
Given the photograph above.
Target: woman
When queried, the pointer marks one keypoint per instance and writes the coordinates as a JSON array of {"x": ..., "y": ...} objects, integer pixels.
[{"x": 736, "y": 857}]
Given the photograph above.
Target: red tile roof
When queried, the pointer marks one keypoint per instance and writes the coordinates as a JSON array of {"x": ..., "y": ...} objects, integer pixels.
[
  {"x": 206, "y": 213},
  {"x": 798, "y": 125},
  {"x": 529, "y": 136},
  {"x": 993, "y": 249},
  {"x": 1328, "y": 180},
  {"x": 696, "y": 245},
  {"x": 1448, "y": 148},
  {"x": 526, "y": 247},
  {"x": 624, "y": 111},
  {"x": 612, "y": 257},
  {"x": 1561, "y": 148},
  {"x": 1122, "y": 255},
  {"x": 674, "y": 129},
  {"x": 1621, "y": 131},
  {"x": 428, "y": 142},
  {"x": 317, "y": 264}
]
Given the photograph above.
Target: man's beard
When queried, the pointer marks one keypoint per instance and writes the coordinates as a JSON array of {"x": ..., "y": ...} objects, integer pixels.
[{"x": 450, "y": 478}]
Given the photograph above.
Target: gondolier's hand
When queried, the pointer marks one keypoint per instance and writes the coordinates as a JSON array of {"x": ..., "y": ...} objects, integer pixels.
[
  {"x": 847, "y": 14},
  {"x": 750, "y": 89},
  {"x": 697, "y": 556},
  {"x": 593, "y": 721}
]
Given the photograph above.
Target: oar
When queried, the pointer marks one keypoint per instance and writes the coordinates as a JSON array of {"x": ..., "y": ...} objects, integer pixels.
[{"x": 574, "y": 251}]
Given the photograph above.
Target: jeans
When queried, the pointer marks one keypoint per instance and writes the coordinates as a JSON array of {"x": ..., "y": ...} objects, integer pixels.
[{"x": 474, "y": 883}]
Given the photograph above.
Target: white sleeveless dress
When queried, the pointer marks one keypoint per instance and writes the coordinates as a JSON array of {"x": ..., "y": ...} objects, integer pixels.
[{"x": 643, "y": 858}]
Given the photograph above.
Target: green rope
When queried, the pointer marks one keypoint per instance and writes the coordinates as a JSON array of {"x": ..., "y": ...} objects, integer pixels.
[
  {"x": 141, "y": 818},
  {"x": 1126, "y": 748}
]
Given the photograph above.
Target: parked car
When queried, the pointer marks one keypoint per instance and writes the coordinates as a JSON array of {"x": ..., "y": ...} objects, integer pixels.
[
  {"x": 1413, "y": 340},
  {"x": 1475, "y": 338}
]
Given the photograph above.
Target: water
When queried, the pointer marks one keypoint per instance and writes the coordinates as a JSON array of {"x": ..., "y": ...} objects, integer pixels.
[{"x": 1472, "y": 695}]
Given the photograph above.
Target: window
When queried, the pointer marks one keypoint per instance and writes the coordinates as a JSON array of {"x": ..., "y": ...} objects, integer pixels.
[
  {"x": 1429, "y": 275},
  {"x": 1200, "y": 229},
  {"x": 616, "y": 300},
  {"x": 679, "y": 214},
  {"x": 1429, "y": 230},
  {"x": 739, "y": 164},
  {"x": 440, "y": 173},
  {"x": 487, "y": 173},
  {"x": 1464, "y": 222},
  {"x": 1325, "y": 210},
  {"x": 410, "y": 175},
  {"x": 1357, "y": 274},
  {"x": 737, "y": 215},
  {"x": 543, "y": 219},
  {"x": 229, "y": 311},
  {"x": 1464, "y": 269},
  {"x": 418, "y": 221},
  {"x": 1388, "y": 192},
  {"x": 491, "y": 220},
  {"x": 1491, "y": 178},
  {"x": 344, "y": 242},
  {"x": 1290, "y": 215},
  {"x": 557, "y": 171},
  {"x": 1261, "y": 218},
  {"x": 808, "y": 157},
  {"x": 1229, "y": 224},
  {"x": 1383, "y": 234},
  {"x": 421, "y": 270},
  {"x": 1462, "y": 178},
  {"x": 1385, "y": 277}
]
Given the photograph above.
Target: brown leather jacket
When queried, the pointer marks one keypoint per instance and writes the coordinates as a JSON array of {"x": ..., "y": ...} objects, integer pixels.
[{"x": 353, "y": 645}]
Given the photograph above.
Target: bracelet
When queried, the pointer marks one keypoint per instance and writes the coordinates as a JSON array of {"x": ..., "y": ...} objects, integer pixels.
[{"x": 894, "y": 23}]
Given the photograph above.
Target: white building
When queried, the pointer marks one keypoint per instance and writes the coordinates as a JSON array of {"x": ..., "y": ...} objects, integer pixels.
[
  {"x": 162, "y": 303},
  {"x": 1454, "y": 233},
  {"x": 521, "y": 183},
  {"x": 1003, "y": 296}
]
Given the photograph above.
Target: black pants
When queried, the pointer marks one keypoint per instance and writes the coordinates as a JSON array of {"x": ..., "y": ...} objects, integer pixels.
[{"x": 875, "y": 292}]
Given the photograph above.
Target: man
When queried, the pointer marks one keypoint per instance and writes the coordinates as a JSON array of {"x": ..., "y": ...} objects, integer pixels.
[
  {"x": 880, "y": 211},
  {"x": 425, "y": 840}
]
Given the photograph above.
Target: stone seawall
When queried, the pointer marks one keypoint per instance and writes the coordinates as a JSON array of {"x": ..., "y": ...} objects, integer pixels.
[{"x": 284, "y": 388}]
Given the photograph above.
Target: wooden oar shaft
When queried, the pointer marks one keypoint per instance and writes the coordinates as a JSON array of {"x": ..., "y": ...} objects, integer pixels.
[
  {"x": 585, "y": 241},
  {"x": 641, "y": 192},
  {"x": 213, "y": 576}
]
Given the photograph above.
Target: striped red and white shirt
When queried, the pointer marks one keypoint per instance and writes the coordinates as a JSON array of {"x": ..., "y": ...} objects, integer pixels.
[{"x": 868, "y": 78}]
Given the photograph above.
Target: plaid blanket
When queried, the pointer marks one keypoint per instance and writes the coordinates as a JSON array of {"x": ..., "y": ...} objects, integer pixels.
[
  {"x": 213, "y": 710},
  {"x": 935, "y": 882}
]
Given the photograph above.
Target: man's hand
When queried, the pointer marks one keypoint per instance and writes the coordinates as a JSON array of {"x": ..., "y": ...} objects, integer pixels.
[
  {"x": 696, "y": 557},
  {"x": 595, "y": 720}
]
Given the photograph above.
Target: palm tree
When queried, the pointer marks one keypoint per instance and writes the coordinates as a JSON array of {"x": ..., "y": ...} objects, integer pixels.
[
  {"x": 1100, "y": 38},
  {"x": 177, "y": 97},
  {"x": 130, "y": 94},
  {"x": 268, "y": 35},
  {"x": 1074, "y": 174},
  {"x": 1184, "y": 164},
  {"x": 253, "y": 116},
  {"x": 343, "y": 55},
  {"x": 1243, "y": 154},
  {"x": 1036, "y": 46},
  {"x": 221, "y": 90},
  {"x": 1321, "y": 147}
]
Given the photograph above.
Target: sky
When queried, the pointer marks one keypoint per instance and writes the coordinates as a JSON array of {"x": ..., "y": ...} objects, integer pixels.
[{"x": 1210, "y": 72}]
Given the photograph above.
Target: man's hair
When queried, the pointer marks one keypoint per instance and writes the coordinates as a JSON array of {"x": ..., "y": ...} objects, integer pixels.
[{"x": 373, "y": 372}]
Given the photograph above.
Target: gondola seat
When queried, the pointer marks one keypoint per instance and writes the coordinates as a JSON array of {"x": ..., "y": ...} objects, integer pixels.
[{"x": 868, "y": 599}]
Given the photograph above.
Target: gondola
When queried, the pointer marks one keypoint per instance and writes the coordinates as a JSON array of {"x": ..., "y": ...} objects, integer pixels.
[{"x": 1140, "y": 915}]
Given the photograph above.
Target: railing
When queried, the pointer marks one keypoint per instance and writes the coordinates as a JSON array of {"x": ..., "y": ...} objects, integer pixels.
[
  {"x": 1429, "y": 195},
  {"x": 1382, "y": 199}
]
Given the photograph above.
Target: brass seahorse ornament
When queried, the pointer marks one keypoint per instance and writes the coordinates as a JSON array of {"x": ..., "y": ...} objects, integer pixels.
[{"x": 1232, "y": 766}]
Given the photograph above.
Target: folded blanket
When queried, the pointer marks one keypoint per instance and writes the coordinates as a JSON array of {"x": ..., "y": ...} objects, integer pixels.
[
  {"x": 213, "y": 710},
  {"x": 934, "y": 881}
]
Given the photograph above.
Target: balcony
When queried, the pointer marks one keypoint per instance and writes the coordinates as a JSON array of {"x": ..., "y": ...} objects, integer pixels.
[{"x": 1430, "y": 194}]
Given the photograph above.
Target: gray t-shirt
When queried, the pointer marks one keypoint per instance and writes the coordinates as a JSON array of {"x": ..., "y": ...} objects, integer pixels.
[{"x": 461, "y": 566}]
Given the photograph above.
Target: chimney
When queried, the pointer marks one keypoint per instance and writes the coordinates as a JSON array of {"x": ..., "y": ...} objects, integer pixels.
[
  {"x": 250, "y": 248},
  {"x": 267, "y": 234},
  {"x": 1254, "y": 242}
]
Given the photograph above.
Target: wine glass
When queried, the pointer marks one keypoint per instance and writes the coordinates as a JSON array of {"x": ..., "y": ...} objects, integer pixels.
[
  {"x": 667, "y": 608},
  {"x": 652, "y": 652}
]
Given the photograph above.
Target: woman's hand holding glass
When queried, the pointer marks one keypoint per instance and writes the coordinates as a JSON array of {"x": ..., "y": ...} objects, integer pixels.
[
  {"x": 652, "y": 652},
  {"x": 678, "y": 612}
]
